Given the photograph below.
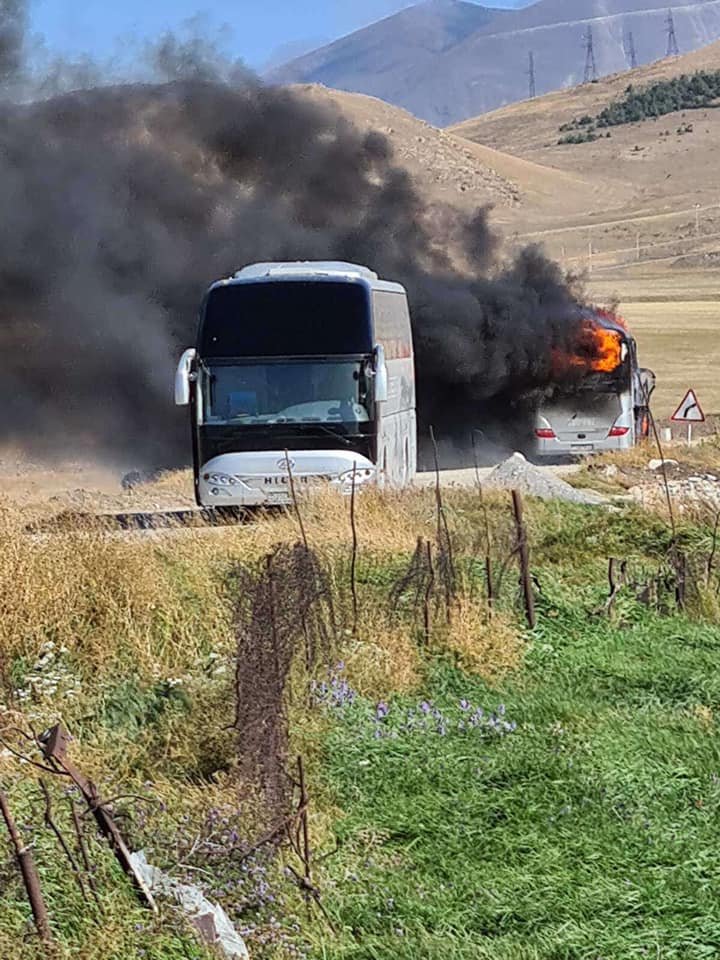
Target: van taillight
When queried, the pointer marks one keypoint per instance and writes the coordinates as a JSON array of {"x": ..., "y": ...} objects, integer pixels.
[
  {"x": 619, "y": 432},
  {"x": 545, "y": 433}
]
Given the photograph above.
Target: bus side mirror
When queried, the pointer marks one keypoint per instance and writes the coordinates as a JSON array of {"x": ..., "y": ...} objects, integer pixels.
[
  {"x": 182, "y": 378},
  {"x": 381, "y": 375},
  {"x": 647, "y": 382}
]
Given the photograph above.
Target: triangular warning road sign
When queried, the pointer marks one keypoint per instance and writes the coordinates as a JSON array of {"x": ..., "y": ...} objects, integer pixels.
[{"x": 689, "y": 410}]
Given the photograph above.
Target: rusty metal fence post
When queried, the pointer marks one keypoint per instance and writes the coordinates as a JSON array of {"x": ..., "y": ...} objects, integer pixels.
[{"x": 29, "y": 873}]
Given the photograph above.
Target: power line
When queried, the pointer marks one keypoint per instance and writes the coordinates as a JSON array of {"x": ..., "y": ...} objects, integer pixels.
[
  {"x": 630, "y": 53},
  {"x": 590, "y": 65},
  {"x": 672, "y": 45},
  {"x": 531, "y": 74}
]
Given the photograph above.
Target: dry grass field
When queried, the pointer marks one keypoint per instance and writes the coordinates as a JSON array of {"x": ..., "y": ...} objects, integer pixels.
[
  {"x": 675, "y": 316},
  {"x": 680, "y": 342}
]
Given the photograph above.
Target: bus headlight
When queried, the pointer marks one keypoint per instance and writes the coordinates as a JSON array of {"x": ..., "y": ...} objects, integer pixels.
[{"x": 220, "y": 479}]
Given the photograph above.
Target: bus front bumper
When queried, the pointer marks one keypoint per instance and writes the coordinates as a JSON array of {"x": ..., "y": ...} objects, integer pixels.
[{"x": 271, "y": 478}]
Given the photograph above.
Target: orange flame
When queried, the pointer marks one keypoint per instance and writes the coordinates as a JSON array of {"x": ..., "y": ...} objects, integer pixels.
[
  {"x": 608, "y": 349},
  {"x": 598, "y": 350}
]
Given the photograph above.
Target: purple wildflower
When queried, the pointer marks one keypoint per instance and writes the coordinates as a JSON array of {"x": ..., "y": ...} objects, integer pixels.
[
  {"x": 464, "y": 704},
  {"x": 381, "y": 711}
]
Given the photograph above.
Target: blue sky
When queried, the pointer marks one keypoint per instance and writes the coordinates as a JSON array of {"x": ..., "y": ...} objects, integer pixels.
[{"x": 256, "y": 30}]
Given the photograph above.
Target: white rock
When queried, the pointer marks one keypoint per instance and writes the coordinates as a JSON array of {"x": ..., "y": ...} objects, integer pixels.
[
  {"x": 209, "y": 919},
  {"x": 657, "y": 464}
]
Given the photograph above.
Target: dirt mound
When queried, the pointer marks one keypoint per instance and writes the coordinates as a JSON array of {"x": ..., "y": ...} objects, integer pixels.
[{"x": 516, "y": 473}]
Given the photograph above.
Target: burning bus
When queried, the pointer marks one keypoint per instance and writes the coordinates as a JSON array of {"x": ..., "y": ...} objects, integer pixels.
[
  {"x": 605, "y": 403},
  {"x": 301, "y": 373}
]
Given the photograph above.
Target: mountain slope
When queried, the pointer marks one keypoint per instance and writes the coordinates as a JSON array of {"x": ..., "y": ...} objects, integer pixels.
[
  {"x": 392, "y": 45},
  {"x": 530, "y": 128},
  {"x": 445, "y": 168},
  {"x": 392, "y": 57},
  {"x": 447, "y": 60},
  {"x": 451, "y": 169},
  {"x": 655, "y": 182}
]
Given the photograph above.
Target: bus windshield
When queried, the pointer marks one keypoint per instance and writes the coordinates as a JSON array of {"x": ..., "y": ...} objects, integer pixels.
[
  {"x": 300, "y": 392},
  {"x": 292, "y": 318}
]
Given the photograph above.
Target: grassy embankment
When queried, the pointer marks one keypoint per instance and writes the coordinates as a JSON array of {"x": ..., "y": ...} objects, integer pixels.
[{"x": 574, "y": 817}]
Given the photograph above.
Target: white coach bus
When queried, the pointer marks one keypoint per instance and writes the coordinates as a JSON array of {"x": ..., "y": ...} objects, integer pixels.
[
  {"x": 608, "y": 409},
  {"x": 301, "y": 372}
]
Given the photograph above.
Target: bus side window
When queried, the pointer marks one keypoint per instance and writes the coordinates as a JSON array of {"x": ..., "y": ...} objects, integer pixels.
[{"x": 392, "y": 322}]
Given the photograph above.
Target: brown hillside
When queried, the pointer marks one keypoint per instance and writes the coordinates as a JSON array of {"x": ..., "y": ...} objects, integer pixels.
[
  {"x": 648, "y": 188},
  {"x": 446, "y": 168},
  {"x": 451, "y": 169},
  {"x": 530, "y": 128}
]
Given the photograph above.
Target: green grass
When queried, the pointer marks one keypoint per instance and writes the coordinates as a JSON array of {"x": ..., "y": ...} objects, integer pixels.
[
  {"x": 586, "y": 832},
  {"x": 589, "y": 832}
]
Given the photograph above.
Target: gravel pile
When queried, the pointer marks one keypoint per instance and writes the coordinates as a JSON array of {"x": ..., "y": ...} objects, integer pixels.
[{"x": 516, "y": 473}]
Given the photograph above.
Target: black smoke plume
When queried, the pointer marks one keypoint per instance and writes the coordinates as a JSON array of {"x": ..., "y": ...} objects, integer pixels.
[
  {"x": 120, "y": 204},
  {"x": 13, "y": 22}
]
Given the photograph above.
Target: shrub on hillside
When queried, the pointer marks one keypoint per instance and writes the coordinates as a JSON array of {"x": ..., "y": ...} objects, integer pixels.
[
  {"x": 588, "y": 137},
  {"x": 686, "y": 92}
]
